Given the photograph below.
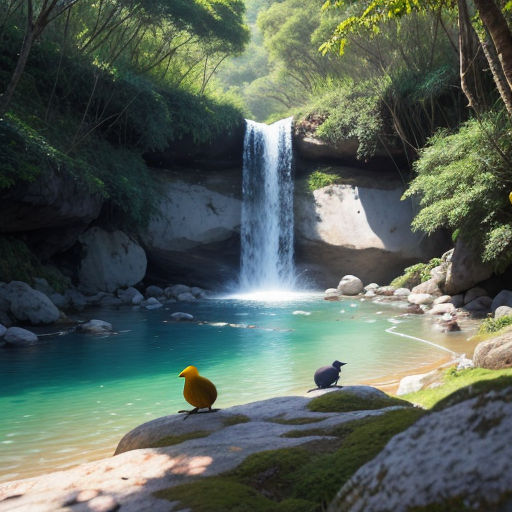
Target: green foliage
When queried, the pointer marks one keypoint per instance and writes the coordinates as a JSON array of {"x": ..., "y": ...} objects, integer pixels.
[
  {"x": 320, "y": 179},
  {"x": 19, "y": 263},
  {"x": 492, "y": 325},
  {"x": 304, "y": 478},
  {"x": 463, "y": 180},
  {"x": 415, "y": 274},
  {"x": 344, "y": 401},
  {"x": 474, "y": 380}
]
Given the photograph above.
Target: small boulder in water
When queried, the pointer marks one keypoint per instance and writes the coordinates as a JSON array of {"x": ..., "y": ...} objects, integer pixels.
[
  {"x": 332, "y": 294},
  {"x": 95, "y": 327},
  {"x": 177, "y": 289},
  {"x": 350, "y": 285},
  {"x": 154, "y": 291},
  {"x": 20, "y": 337},
  {"x": 179, "y": 316},
  {"x": 186, "y": 297},
  {"x": 371, "y": 286},
  {"x": 152, "y": 303}
]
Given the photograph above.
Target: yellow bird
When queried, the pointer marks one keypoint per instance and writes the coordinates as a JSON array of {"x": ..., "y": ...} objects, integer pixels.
[
  {"x": 510, "y": 197},
  {"x": 198, "y": 391}
]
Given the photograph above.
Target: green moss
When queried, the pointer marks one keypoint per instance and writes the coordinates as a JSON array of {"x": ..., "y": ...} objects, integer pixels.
[
  {"x": 177, "y": 439},
  {"x": 19, "y": 263},
  {"x": 320, "y": 179},
  {"x": 459, "y": 504},
  {"x": 344, "y": 401},
  {"x": 416, "y": 274},
  {"x": 460, "y": 385},
  {"x": 294, "y": 421},
  {"x": 235, "y": 419},
  {"x": 493, "y": 325},
  {"x": 304, "y": 478}
]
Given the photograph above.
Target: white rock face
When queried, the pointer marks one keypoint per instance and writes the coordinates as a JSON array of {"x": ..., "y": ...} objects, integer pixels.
[
  {"x": 366, "y": 231},
  {"x": 95, "y": 327},
  {"x": 19, "y": 336},
  {"x": 420, "y": 298},
  {"x": 463, "y": 450},
  {"x": 112, "y": 261},
  {"x": 29, "y": 305},
  {"x": 350, "y": 285}
]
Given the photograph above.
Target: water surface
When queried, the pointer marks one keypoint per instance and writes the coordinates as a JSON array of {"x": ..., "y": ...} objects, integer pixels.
[{"x": 73, "y": 397}]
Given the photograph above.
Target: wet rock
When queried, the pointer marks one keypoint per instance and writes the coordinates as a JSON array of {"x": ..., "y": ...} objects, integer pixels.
[
  {"x": 448, "y": 323},
  {"x": 151, "y": 303},
  {"x": 154, "y": 291},
  {"x": 350, "y": 285},
  {"x": 371, "y": 286},
  {"x": 401, "y": 292},
  {"x": 440, "y": 309},
  {"x": 385, "y": 290},
  {"x": 473, "y": 439},
  {"x": 473, "y": 294},
  {"x": 458, "y": 300},
  {"x": 130, "y": 296},
  {"x": 504, "y": 298},
  {"x": 414, "y": 309},
  {"x": 180, "y": 316},
  {"x": 420, "y": 298},
  {"x": 331, "y": 294},
  {"x": 370, "y": 293},
  {"x": 443, "y": 299},
  {"x": 479, "y": 305},
  {"x": 20, "y": 337},
  {"x": 95, "y": 327},
  {"x": 110, "y": 301},
  {"x": 494, "y": 354},
  {"x": 180, "y": 288},
  {"x": 186, "y": 297},
  {"x": 502, "y": 311},
  {"x": 111, "y": 261},
  {"x": 3, "y": 330},
  {"x": 29, "y": 305},
  {"x": 198, "y": 292}
]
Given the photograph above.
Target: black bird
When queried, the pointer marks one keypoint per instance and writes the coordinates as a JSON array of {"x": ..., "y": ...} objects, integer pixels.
[{"x": 328, "y": 375}]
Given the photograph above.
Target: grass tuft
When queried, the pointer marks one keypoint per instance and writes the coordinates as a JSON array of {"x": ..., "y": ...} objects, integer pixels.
[
  {"x": 345, "y": 401},
  {"x": 235, "y": 419},
  {"x": 177, "y": 439}
]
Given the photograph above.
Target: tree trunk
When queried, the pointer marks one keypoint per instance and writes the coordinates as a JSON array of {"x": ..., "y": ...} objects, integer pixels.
[
  {"x": 6, "y": 97},
  {"x": 468, "y": 50},
  {"x": 498, "y": 76},
  {"x": 495, "y": 23}
]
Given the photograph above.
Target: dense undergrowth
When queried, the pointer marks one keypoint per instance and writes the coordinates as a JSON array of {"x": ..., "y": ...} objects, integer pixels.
[{"x": 415, "y": 274}]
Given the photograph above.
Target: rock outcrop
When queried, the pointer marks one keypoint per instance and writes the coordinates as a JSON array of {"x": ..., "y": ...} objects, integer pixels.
[
  {"x": 495, "y": 353},
  {"x": 457, "y": 456},
  {"x": 195, "y": 235},
  {"x": 358, "y": 228},
  {"x": 111, "y": 260}
]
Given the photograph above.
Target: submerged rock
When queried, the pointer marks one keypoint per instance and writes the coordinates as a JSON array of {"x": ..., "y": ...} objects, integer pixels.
[
  {"x": 20, "y": 337},
  {"x": 180, "y": 316},
  {"x": 95, "y": 327}
]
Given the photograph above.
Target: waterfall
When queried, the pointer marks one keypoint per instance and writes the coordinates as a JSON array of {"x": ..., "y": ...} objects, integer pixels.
[{"x": 267, "y": 207}]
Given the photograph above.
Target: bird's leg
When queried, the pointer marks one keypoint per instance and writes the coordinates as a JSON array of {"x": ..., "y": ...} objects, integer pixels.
[
  {"x": 314, "y": 389},
  {"x": 193, "y": 411}
]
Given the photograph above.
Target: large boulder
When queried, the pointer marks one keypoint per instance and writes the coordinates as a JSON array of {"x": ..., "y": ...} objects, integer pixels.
[
  {"x": 112, "y": 260},
  {"x": 350, "y": 285},
  {"x": 29, "y": 305},
  {"x": 479, "y": 305},
  {"x": 465, "y": 270},
  {"x": 20, "y": 337},
  {"x": 495, "y": 353},
  {"x": 458, "y": 455},
  {"x": 504, "y": 298}
]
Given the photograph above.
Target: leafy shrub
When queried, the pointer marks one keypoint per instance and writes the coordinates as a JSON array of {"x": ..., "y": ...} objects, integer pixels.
[
  {"x": 416, "y": 274},
  {"x": 490, "y": 325},
  {"x": 320, "y": 179},
  {"x": 463, "y": 180}
]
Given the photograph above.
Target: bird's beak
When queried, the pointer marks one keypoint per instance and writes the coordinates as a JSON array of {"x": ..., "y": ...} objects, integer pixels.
[{"x": 181, "y": 375}]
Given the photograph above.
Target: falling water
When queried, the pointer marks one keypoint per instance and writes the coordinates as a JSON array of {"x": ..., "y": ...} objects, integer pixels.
[{"x": 267, "y": 208}]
